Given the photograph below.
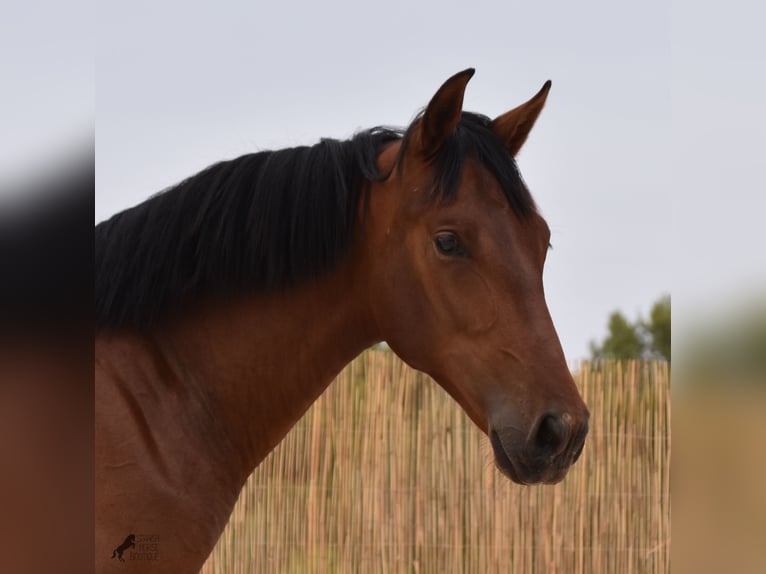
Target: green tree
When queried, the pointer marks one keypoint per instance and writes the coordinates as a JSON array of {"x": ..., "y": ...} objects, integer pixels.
[
  {"x": 658, "y": 328},
  {"x": 637, "y": 340},
  {"x": 623, "y": 342}
]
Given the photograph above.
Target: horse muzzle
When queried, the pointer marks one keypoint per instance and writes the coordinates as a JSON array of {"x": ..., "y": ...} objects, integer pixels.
[{"x": 545, "y": 454}]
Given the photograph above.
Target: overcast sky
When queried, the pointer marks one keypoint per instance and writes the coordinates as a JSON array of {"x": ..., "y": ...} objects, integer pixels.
[{"x": 180, "y": 87}]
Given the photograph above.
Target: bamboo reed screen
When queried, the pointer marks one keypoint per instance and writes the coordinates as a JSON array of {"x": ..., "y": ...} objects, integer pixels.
[{"x": 386, "y": 474}]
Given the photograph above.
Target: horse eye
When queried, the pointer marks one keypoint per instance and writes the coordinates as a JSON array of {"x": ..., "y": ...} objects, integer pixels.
[{"x": 449, "y": 244}]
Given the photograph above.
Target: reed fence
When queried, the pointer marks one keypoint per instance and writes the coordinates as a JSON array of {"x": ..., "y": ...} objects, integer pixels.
[{"x": 386, "y": 474}]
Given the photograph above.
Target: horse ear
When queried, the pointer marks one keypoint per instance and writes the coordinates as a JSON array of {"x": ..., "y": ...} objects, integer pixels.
[
  {"x": 513, "y": 127},
  {"x": 443, "y": 112}
]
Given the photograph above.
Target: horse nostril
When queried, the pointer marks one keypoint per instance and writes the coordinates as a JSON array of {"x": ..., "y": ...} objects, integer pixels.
[{"x": 551, "y": 436}]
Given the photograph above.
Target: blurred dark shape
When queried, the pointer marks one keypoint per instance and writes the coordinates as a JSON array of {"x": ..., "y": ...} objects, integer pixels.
[
  {"x": 46, "y": 368},
  {"x": 46, "y": 251},
  {"x": 728, "y": 350},
  {"x": 642, "y": 339}
]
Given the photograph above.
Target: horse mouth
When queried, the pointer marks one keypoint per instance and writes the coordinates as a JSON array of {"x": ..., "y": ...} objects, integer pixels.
[
  {"x": 502, "y": 460},
  {"x": 520, "y": 473}
]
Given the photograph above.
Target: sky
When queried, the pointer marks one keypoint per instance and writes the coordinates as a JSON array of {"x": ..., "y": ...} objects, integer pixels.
[
  {"x": 719, "y": 192},
  {"x": 645, "y": 162},
  {"x": 47, "y": 85}
]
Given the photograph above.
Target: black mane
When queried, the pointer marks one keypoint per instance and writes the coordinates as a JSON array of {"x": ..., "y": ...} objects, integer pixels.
[{"x": 264, "y": 221}]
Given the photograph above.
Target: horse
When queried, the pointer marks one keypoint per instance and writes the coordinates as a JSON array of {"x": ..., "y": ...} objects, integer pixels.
[{"x": 226, "y": 304}]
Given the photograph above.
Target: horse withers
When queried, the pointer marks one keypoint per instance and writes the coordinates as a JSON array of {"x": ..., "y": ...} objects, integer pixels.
[{"x": 227, "y": 304}]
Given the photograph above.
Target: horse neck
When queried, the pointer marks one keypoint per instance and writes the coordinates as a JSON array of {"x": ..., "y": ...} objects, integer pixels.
[{"x": 263, "y": 361}]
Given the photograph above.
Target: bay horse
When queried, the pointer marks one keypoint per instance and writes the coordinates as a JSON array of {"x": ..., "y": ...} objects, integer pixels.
[{"x": 228, "y": 303}]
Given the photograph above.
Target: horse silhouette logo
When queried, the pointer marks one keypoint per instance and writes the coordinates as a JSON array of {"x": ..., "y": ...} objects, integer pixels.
[{"x": 129, "y": 542}]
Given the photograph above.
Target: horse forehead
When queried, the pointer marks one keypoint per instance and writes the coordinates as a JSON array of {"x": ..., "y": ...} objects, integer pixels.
[
  {"x": 480, "y": 186},
  {"x": 477, "y": 183},
  {"x": 477, "y": 188},
  {"x": 479, "y": 195}
]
